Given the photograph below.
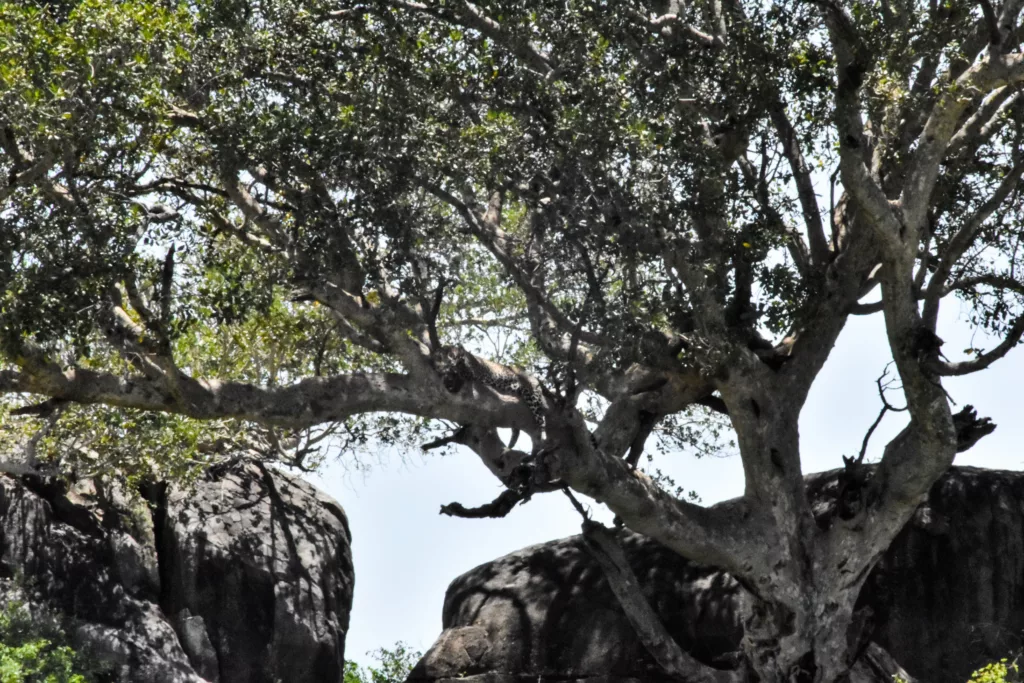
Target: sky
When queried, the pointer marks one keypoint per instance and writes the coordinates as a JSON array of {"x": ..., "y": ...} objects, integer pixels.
[{"x": 406, "y": 554}]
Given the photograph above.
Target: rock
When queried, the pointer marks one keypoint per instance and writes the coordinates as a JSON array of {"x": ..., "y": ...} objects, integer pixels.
[
  {"x": 57, "y": 554},
  {"x": 245, "y": 577},
  {"x": 947, "y": 598},
  {"x": 546, "y": 611},
  {"x": 195, "y": 641},
  {"x": 264, "y": 559}
]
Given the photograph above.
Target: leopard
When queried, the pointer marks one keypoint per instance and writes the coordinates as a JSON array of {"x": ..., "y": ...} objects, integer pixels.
[{"x": 458, "y": 366}]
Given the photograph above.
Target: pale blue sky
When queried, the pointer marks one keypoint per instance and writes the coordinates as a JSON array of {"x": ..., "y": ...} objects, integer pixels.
[{"x": 406, "y": 554}]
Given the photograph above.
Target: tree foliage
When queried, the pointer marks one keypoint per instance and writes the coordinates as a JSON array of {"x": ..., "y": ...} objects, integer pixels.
[
  {"x": 34, "y": 649},
  {"x": 278, "y": 217},
  {"x": 394, "y": 666}
]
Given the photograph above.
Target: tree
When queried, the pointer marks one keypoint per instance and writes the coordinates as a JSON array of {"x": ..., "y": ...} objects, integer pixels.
[
  {"x": 295, "y": 218},
  {"x": 395, "y": 665}
]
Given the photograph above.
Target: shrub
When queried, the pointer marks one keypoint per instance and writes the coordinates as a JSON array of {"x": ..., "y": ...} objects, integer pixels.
[
  {"x": 394, "y": 666},
  {"x": 35, "y": 650}
]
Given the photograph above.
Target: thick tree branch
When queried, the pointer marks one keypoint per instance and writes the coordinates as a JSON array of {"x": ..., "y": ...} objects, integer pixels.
[
  {"x": 899, "y": 484},
  {"x": 995, "y": 36},
  {"x": 852, "y": 63},
  {"x": 712, "y": 535},
  {"x": 309, "y": 402},
  {"x": 994, "y": 71},
  {"x": 623, "y": 420},
  {"x": 867, "y": 309},
  {"x": 915, "y": 458},
  {"x": 499, "y": 507},
  {"x": 715, "y": 536}
]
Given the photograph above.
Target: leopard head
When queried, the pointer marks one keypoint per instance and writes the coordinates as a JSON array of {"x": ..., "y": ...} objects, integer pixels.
[{"x": 448, "y": 366}]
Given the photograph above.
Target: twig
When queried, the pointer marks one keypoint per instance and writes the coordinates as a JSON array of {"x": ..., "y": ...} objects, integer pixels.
[
  {"x": 456, "y": 437},
  {"x": 584, "y": 513},
  {"x": 886, "y": 407}
]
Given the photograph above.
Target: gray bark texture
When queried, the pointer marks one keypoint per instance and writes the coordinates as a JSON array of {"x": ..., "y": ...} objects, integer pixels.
[
  {"x": 946, "y": 598},
  {"x": 246, "y": 578}
]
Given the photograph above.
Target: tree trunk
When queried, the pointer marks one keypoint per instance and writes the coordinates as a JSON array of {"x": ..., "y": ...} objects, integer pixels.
[
  {"x": 816, "y": 643},
  {"x": 798, "y": 621}
]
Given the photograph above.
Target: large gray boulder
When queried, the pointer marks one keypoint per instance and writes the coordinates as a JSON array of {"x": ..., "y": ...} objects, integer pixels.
[
  {"x": 247, "y": 577},
  {"x": 946, "y": 598}
]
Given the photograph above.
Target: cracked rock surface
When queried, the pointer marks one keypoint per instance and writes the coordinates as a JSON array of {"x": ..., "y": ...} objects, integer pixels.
[{"x": 247, "y": 577}]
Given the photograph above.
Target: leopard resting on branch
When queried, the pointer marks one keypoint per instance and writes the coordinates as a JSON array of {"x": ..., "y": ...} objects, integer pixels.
[{"x": 458, "y": 366}]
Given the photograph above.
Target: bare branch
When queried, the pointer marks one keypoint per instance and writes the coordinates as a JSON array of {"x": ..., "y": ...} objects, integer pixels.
[
  {"x": 985, "y": 121},
  {"x": 468, "y": 15},
  {"x": 867, "y": 435},
  {"x": 886, "y": 407},
  {"x": 795, "y": 241},
  {"x": 805, "y": 188},
  {"x": 670, "y": 25},
  {"x": 545, "y": 315},
  {"x": 499, "y": 507},
  {"x": 455, "y": 437},
  {"x": 1013, "y": 334},
  {"x": 224, "y": 224},
  {"x": 269, "y": 224}
]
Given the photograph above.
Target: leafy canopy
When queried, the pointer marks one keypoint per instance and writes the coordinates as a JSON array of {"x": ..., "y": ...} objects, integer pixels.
[
  {"x": 275, "y": 216},
  {"x": 279, "y": 217}
]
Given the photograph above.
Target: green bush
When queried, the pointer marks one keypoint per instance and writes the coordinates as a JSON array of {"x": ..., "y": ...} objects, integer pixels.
[
  {"x": 36, "y": 651},
  {"x": 1003, "y": 671},
  {"x": 394, "y": 666},
  {"x": 996, "y": 672}
]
